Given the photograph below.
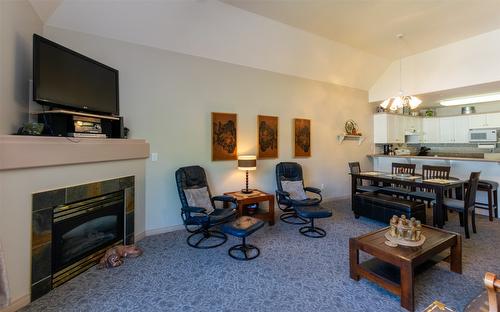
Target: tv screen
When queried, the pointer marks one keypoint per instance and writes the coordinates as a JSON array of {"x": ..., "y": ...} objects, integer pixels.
[{"x": 67, "y": 79}]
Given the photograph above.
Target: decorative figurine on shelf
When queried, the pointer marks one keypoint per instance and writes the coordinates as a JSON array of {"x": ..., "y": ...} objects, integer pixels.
[
  {"x": 351, "y": 128},
  {"x": 404, "y": 231}
]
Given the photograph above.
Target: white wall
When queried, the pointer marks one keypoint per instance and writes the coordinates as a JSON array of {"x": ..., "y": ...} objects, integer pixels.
[
  {"x": 222, "y": 32},
  {"x": 167, "y": 99},
  {"x": 465, "y": 63},
  {"x": 18, "y": 22}
]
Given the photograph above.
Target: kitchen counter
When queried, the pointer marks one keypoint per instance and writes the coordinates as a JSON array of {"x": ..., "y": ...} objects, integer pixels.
[{"x": 437, "y": 157}]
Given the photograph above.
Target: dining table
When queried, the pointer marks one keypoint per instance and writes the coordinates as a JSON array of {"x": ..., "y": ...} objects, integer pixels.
[{"x": 440, "y": 187}]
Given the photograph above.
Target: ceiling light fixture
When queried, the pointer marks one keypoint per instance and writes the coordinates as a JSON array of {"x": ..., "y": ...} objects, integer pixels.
[
  {"x": 396, "y": 102},
  {"x": 491, "y": 97}
]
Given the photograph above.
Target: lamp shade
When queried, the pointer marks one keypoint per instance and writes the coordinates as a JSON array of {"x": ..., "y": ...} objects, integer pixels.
[{"x": 247, "y": 162}]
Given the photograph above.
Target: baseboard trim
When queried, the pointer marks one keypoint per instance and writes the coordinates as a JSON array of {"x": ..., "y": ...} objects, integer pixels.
[
  {"x": 162, "y": 230},
  {"x": 17, "y": 304},
  {"x": 139, "y": 236}
]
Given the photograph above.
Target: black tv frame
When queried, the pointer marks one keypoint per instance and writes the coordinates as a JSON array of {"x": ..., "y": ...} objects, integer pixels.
[{"x": 36, "y": 78}]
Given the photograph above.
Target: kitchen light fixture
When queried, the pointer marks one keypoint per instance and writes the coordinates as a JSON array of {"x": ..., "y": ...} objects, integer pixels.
[
  {"x": 491, "y": 97},
  {"x": 396, "y": 102}
]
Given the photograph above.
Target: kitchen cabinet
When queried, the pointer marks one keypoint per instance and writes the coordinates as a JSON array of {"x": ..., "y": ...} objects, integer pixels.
[
  {"x": 388, "y": 128},
  {"x": 430, "y": 130},
  {"x": 446, "y": 129},
  {"x": 412, "y": 125},
  {"x": 392, "y": 128},
  {"x": 454, "y": 129},
  {"x": 461, "y": 129},
  {"x": 478, "y": 121},
  {"x": 491, "y": 120}
]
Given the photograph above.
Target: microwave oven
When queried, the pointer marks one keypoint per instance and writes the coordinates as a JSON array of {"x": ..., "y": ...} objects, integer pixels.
[{"x": 483, "y": 135}]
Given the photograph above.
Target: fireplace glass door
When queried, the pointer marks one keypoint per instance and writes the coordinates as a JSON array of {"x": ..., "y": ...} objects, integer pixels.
[{"x": 84, "y": 228}]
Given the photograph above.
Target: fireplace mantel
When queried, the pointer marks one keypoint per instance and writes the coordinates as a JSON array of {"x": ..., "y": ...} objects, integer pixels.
[{"x": 18, "y": 152}]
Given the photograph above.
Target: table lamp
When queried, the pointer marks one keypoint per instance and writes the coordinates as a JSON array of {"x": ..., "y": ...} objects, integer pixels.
[{"x": 247, "y": 162}]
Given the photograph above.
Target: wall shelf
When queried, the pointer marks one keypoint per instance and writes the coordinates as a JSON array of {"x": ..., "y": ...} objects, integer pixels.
[{"x": 343, "y": 137}]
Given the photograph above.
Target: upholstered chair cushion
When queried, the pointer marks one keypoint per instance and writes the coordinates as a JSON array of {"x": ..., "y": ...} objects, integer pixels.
[
  {"x": 199, "y": 197},
  {"x": 295, "y": 189}
]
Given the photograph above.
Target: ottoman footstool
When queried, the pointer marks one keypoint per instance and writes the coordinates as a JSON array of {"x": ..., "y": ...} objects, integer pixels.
[
  {"x": 243, "y": 227},
  {"x": 313, "y": 212}
]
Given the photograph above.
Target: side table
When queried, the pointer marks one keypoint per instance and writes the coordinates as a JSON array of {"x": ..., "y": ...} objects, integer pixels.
[{"x": 255, "y": 197}]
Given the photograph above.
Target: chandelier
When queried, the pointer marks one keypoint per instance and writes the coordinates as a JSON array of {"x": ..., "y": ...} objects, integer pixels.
[{"x": 400, "y": 101}]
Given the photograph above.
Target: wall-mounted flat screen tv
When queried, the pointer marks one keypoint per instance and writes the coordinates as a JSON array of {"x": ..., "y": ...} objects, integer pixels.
[{"x": 66, "y": 79}]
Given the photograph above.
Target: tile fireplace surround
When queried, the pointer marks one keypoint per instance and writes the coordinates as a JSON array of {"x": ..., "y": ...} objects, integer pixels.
[
  {"x": 35, "y": 165},
  {"x": 42, "y": 245}
]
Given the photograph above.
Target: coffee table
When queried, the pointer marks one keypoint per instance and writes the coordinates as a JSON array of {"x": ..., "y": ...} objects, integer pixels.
[{"x": 394, "y": 268}]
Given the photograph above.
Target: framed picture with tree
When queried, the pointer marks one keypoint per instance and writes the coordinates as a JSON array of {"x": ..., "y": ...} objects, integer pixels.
[
  {"x": 224, "y": 136},
  {"x": 302, "y": 137},
  {"x": 267, "y": 127}
]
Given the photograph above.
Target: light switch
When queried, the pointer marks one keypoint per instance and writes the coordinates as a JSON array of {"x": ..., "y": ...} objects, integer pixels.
[{"x": 154, "y": 156}]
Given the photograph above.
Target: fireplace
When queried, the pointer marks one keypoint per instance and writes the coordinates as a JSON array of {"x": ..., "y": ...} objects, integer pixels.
[
  {"x": 82, "y": 231},
  {"x": 73, "y": 227}
]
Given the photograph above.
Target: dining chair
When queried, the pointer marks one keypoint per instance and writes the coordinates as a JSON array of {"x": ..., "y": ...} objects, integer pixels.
[
  {"x": 354, "y": 167},
  {"x": 397, "y": 189},
  {"x": 464, "y": 207},
  {"x": 430, "y": 172}
]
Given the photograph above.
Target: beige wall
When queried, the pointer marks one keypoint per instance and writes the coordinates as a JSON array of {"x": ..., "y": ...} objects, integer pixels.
[
  {"x": 167, "y": 99},
  {"x": 18, "y": 23}
]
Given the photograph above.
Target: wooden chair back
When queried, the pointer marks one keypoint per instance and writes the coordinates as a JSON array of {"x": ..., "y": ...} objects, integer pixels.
[
  {"x": 398, "y": 168},
  {"x": 435, "y": 172},
  {"x": 492, "y": 285},
  {"x": 354, "y": 167},
  {"x": 470, "y": 195},
  {"x": 403, "y": 168}
]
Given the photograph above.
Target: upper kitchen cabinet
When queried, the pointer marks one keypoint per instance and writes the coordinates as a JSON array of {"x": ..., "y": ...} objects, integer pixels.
[
  {"x": 412, "y": 125},
  {"x": 493, "y": 120},
  {"x": 430, "y": 130},
  {"x": 484, "y": 121},
  {"x": 453, "y": 129},
  {"x": 461, "y": 129},
  {"x": 388, "y": 128},
  {"x": 392, "y": 128},
  {"x": 446, "y": 129},
  {"x": 478, "y": 121}
]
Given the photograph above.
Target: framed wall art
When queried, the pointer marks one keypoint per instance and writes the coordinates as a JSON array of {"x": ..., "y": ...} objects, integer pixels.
[
  {"x": 267, "y": 127},
  {"x": 224, "y": 134},
  {"x": 302, "y": 137}
]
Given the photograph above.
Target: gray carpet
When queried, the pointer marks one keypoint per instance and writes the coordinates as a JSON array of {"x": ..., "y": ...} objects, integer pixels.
[{"x": 293, "y": 273}]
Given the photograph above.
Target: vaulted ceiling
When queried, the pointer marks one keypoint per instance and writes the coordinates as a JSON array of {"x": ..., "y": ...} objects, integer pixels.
[
  {"x": 347, "y": 42},
  {"x": 372, "y": 25}
]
